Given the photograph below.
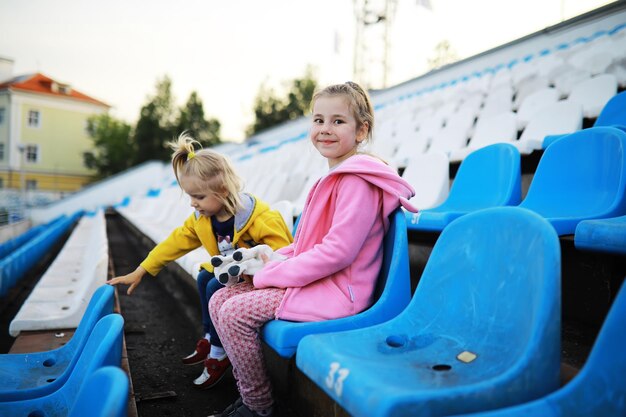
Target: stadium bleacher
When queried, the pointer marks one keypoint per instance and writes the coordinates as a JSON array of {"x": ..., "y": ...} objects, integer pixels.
[{"x": 556, "y": 96}]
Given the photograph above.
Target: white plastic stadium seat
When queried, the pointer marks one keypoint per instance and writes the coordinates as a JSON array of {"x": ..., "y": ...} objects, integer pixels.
[
  {"x": 533, "y": 103},
  {"x": 561, "y": 117},
  {"x": 489, "y": 130},
  {"x": 429, "y": 174},
  {"x": 592, "y": 94}
]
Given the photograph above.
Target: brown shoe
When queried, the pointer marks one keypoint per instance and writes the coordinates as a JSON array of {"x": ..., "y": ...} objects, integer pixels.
[
  {"x": 214, "y": 370},
  {"x": 203, "y": 347}
]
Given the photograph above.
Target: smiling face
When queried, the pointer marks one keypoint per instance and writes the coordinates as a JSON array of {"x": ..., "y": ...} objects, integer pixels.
[
  {"x": 204, "y": 201},
  {"x": 335, "y": 132}
]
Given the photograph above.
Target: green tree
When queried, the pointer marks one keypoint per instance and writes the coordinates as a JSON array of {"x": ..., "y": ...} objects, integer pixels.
[
  {"x": 191, "y": 119},
  {"x": 444, "y": 55},
  {"x": 113, "y": 148},
  {"x": 271, "y": 110},
  {"x": 156, "y": 125}
]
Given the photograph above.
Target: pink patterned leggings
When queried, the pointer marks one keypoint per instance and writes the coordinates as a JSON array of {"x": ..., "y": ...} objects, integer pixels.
[{"x": 238, "y": 313}]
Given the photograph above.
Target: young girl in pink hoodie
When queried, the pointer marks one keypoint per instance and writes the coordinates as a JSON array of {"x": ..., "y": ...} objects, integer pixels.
[{"x": 334, "y": 261}]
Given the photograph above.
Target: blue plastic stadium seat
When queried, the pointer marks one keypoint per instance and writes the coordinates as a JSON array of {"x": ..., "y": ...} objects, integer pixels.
[
  {"x": 488, "y": 177},
  {"x": 599, "y": 389},
  {"x": 603, "y": 235},
  {"x": 17, "y": 264},
  {"x": 613, "y": 114},
  {"x": 104, "y": 394},
  {"x": 582, "y": 176},
  {"x": 104, "y": 348},
  {"x": 482, "y": 330},
  {"x": 28, "y": 375},
  {"x": 13, "y": 244},
  {"x": 392, "y": 294}
]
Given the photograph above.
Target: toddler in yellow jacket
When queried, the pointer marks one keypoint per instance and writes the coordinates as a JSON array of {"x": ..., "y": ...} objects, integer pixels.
[{"x": 223, "y": 220}]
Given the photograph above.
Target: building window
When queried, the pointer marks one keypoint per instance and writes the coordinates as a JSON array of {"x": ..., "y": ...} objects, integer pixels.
[
  {"x": 32, "y": 154},
  {"x": 2, "y": 115},
  {"x": 1, "y": 151},
  {"x": 1, "y": 183},
  {"x": 31, "y": 184},
  {"x": 34, "y": 118}
]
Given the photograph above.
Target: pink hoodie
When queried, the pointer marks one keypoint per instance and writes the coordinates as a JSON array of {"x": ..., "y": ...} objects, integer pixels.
[{"x": 336, "y": 255}]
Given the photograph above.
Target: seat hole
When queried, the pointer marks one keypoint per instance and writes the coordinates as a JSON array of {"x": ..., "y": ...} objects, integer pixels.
[
  {"x": 442, "y": 367},
  {"x": 36, "y": 413},
  {"x": 51, "y": 380},
  {"x": 396, "y": 341},
  {"x": 65, "y": 308},
  {"x": 49, "y": 362}
]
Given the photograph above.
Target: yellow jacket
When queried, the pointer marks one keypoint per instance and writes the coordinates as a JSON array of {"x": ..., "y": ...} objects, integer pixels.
[{"x": 255, "y": 224}]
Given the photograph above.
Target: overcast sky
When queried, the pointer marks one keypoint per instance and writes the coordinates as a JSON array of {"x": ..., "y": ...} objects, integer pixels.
[{"x": 115, "y": 50}]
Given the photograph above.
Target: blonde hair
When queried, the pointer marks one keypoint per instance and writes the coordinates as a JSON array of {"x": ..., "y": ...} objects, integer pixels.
[
  {"x": 358, "y": 102},
  {"x": 213, "y": 168}
]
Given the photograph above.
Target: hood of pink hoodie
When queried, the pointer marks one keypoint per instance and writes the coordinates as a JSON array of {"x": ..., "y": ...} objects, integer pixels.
[
  {"x": 396, "y": 191},
  {"x": 395, "y": 188}
]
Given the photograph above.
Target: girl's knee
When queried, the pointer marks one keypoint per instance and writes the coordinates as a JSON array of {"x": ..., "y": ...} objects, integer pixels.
[{"x": 230, "y": 311}]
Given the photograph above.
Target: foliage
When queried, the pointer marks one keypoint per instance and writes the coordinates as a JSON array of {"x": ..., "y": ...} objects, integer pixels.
[
  {"x": 156, "y": 124},
  {"x": 118, "y": 147},
  {"x": 444, "y": 55},
  {"x": 271, "y": 110},
  {"x": 113, "y": 149},
  {"x": 191, "y": 119}
]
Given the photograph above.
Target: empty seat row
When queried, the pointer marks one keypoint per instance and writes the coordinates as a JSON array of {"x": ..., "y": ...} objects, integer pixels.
[
  {"x": 19, "y": 262},
  {"x": 540, "y": 115},
  {"x": 15, "y": 243},
  {"x": 62, "y": 293},
  {"x": 580, "y": 177}
]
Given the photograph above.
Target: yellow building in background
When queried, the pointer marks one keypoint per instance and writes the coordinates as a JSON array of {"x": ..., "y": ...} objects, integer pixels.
[{"x": 43, "y": 133}]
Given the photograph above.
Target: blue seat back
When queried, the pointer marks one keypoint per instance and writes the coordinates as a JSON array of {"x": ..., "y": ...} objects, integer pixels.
[
  {"x": 104, "y": 394},
  {"x": 17, "y": 264},
  {"x": 391, "y": 295},
  {"x": 614, "y": 112},
  {"x": 493, "y": 279},
  {"x": 582, "y": 176},
  {"x": 29, "y": 375},
  {"x": 12, "y": 244},
  {"x": 104, "y": 348},
  {"x": 100, "y": 304},
  {"x": 395, "y": 250},
  {"x": 488, "y": 177},
  {"x": 600, "y": 387}
]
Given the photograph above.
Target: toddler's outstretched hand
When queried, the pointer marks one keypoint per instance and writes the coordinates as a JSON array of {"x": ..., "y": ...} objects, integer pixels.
[{"x": 134, "y": 279}]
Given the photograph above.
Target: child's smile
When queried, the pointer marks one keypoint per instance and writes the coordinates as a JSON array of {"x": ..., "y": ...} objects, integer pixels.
[{"x": 334, "y": 133}]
